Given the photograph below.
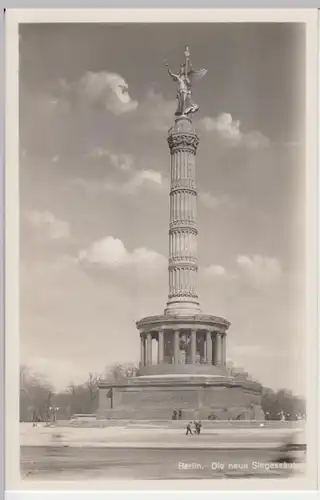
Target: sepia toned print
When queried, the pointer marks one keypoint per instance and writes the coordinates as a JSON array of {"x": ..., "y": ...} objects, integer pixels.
[{"x": 162, "y": 252}]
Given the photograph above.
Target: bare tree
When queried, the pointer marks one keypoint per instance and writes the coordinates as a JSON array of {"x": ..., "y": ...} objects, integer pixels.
[
  {"x": 120, "y": 373},
  {"x": 35, "y": 395},
  {"x": 92, "y": 384}
]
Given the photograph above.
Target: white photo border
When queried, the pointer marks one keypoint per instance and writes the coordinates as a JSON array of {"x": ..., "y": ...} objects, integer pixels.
[{"x": 13, "y": 18}]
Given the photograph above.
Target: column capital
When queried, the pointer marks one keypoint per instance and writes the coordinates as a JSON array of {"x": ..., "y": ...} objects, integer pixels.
[{"x": 183, "y": 141}]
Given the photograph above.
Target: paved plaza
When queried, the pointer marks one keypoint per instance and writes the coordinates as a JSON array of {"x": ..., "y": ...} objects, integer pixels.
[{"x": 149, "y": 435}]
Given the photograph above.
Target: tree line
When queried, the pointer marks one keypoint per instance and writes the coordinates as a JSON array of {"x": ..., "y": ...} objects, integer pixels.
[{"x": 39, "y": 401}]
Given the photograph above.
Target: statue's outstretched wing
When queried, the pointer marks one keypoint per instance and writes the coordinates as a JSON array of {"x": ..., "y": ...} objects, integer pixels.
[{"x": 195, "y": 75}]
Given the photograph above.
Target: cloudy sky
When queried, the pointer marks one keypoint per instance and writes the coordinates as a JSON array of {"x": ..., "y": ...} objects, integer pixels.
[{"x": 94, "y": 203}]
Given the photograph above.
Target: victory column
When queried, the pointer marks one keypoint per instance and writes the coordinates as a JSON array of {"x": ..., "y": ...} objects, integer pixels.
[{"x": 190, "y": 369}]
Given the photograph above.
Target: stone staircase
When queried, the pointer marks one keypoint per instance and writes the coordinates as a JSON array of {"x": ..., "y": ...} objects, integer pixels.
[{"x": 165, "y": 413}]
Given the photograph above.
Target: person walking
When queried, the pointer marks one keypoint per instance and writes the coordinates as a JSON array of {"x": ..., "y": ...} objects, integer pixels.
[
  {"x": 189, "y": 429},
  {"x": 195, "y": 424}
]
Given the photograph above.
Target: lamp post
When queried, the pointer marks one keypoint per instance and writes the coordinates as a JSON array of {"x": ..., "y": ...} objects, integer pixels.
[{"x": 53, "y": 412}]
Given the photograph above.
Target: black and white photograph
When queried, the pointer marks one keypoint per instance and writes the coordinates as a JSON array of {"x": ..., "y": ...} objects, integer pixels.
[{"x": 163, "y": 293}]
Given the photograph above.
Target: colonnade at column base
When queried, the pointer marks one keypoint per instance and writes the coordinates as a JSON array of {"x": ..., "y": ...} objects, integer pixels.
[
  {"x": 182, "y": 343},
  {"x": 188, "y": 373}
]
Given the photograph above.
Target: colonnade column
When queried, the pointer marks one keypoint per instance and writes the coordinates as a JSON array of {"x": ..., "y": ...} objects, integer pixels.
[
  {"x": 142, "y": 350},
  {"x": 160, "y": 347},
  {"x": 204, "y": 350},
  {"x": 193, "y": 346},
  {"x": 149, "y": 349},
  {"x": 209, "y": 348},
  {"x": 218, "y": 349},
  {"x": 223, "y": 350},
  {"x": 176, "y": 341}
]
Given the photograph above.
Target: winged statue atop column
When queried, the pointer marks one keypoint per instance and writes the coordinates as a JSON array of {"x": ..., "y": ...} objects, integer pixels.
[{"x": 186, "y": 77}]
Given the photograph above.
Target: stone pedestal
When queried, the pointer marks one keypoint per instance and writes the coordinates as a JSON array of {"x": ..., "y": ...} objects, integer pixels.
[{"x": 198, "y": 396}]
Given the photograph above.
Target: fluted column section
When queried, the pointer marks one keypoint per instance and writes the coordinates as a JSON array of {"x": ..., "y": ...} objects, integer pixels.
[{"x": 183, "y": 143}]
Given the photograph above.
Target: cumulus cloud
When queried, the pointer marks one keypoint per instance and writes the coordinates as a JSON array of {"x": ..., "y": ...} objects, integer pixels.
[
  {"x": 229, "y": 130},
  {"x": 144, "y": 177},
  {"x": 107, "y": 90},
  {"x": 55, "y": 159},
  {"x": 257, "y": 271},
  {"x": 210, "y": 201},
  {"x": 135, "y": 178},
  {"x": 47, "y": 223},
  {"x": 260, "y": 271},
  {"x": 156, "y": 113},
  {"x": 224, "y": 124},
  {"x": 139, "y": 179},
  {"x": 111, "y": 253},
  {"x": 214, "y": 271},
  {"x": 217, "y": 273},
  {"x": 123, "y": 162}
]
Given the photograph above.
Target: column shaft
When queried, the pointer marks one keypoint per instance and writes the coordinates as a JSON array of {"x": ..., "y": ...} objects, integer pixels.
[
  {"x": 204, "y": 350},
  {"x": 160, "y": 347},
  {"x": 149, "y": 348},
  {"x": 213, "y": 341},
  {"x": 193, "y": 346},
  {"x": 209, "y": 348},
  {"x": 218, "y": 349},
  {"x": 223, "y": 350},
  {"x": 183, "y": 143},
  {"x": 183, "y": 205},
  {"x": 176, "y": 346},
  {"x": 142, "y": 350}
]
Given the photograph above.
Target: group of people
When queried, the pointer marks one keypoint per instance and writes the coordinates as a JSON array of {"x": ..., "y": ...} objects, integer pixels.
[
  {"x": 177, "y": 415},
  {"x": 197, "y": 424}
]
